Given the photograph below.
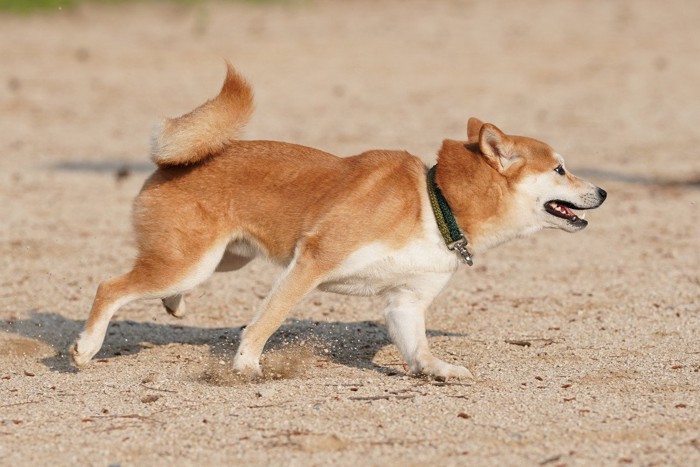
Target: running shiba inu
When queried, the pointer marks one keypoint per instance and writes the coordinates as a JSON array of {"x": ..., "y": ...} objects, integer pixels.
[{"x": 376, "y": 223}]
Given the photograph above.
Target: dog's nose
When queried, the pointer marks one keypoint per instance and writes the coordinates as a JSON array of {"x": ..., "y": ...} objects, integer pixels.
[{"x": 603, "y": 194}]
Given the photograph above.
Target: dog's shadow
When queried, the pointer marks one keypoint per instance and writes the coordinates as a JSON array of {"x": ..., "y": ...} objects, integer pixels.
[{"x": 352, "y": 344}]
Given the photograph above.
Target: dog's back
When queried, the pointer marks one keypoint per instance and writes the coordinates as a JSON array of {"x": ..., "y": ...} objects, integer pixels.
[{"x": 275, "y": 193}]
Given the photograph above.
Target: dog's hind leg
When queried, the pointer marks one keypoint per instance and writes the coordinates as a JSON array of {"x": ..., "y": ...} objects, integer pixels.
[
  {"x": 151, "y": 277},
  {"x": 405, "y": 321},
  {"x": 175, "y": 304}
]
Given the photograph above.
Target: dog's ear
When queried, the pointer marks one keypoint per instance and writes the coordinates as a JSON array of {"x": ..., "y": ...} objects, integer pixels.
[
  {"x": 473, "y": 128},
  {"x": 497, "y": 147}
]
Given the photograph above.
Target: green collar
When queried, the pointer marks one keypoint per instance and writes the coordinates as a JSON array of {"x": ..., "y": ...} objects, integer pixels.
[{"x": 451, "y": 233}]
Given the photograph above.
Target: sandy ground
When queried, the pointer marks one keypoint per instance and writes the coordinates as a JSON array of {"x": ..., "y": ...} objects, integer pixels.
[{"x": 611, "y": 370}]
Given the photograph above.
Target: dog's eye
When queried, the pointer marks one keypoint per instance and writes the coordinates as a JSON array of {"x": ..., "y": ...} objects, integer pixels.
[{"x": 560, "y": 170}]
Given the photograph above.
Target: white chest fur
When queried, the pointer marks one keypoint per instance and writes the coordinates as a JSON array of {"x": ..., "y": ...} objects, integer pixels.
[{"x": 375, "y": 267}]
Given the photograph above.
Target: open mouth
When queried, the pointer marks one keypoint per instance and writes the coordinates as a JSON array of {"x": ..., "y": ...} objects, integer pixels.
[{"x": 563, "y": 210}]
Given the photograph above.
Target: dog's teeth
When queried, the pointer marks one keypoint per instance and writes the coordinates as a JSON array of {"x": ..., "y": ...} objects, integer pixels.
[{"x": 582, "y": 216}]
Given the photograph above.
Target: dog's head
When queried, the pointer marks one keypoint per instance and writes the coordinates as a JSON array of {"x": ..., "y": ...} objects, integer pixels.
[
  {"x": 538, "y": 177},
  {"x": 501, "y": 186}
]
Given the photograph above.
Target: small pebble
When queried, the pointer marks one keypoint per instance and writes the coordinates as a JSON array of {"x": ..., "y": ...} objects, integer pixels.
[{"x": 264, "y": 392}]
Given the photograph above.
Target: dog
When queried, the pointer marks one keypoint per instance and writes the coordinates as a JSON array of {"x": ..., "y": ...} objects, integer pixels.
[{"x": 379, "y": 223}]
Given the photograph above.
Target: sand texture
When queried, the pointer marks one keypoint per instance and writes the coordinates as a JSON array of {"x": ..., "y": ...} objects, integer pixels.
[{"x": 585, "y": 347}]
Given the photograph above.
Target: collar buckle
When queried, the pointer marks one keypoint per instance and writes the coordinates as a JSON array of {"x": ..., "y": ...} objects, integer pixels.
[{"x": 460, "y": 246}]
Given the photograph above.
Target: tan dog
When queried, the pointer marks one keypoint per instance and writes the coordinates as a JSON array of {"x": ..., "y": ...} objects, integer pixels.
[{"x": 364, "y": 225}]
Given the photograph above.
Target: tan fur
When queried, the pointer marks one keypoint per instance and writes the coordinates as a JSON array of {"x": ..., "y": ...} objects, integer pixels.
[
  {"x": 214, "y": 203},
  {"x": 208, "y": 128},
  {"x": 238, "y": 205},
  {"x": 474, "y": 128}
]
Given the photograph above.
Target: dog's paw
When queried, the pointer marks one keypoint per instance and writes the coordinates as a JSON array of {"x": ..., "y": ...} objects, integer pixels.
[
  {"x": 248, "y": 368},
  {"x": 82, "y": 351},
  {"x": 175, "y": 305},
  {"x": 443, "y": 371}
]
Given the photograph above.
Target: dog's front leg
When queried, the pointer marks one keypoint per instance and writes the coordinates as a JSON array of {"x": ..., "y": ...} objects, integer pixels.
[
  {"x": 405, "y": 320},
  {"x": 301, "y": 276}
]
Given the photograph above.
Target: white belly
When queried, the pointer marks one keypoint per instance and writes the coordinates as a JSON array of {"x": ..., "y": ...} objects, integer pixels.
[{"x": 376, "y": 268}]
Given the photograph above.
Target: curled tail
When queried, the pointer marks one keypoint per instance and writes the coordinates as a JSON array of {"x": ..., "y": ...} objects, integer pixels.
[{"x": 207, "y": 129}]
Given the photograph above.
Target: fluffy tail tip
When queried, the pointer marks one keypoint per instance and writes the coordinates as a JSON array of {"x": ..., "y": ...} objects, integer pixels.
[{"x": 206, "y": 130}]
